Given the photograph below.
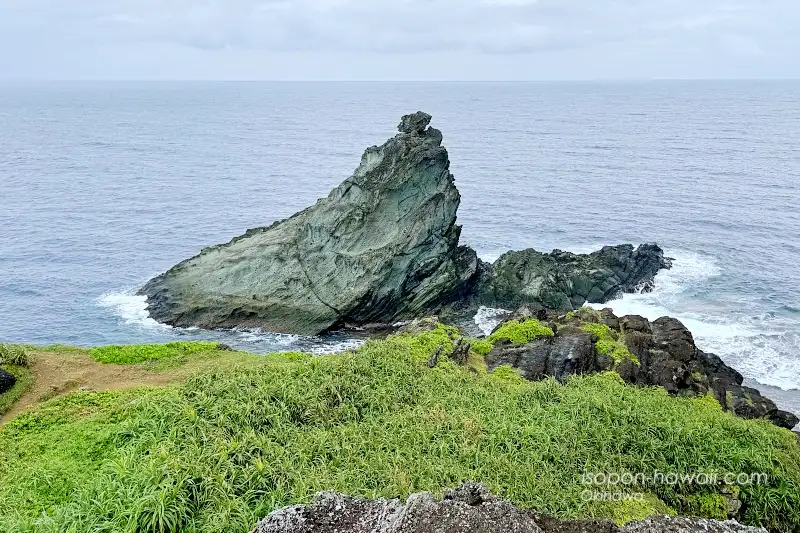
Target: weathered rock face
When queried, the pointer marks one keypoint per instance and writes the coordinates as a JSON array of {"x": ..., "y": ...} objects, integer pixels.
[
  {"x": 559, "y": 357},
  {"x": 563, "y": 280},
  {"x": 664, "y": 355},
  {"x": 383, "y": 246},
  {"x": 7, "y": 380},
  {"x": 467, "y": 509}
]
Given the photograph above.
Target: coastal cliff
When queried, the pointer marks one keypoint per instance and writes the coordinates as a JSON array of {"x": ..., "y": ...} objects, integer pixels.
[{"x": 380, "y": 248}]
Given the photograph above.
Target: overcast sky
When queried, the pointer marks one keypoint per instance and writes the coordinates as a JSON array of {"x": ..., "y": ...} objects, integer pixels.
[{"x": 399, "y": 39}]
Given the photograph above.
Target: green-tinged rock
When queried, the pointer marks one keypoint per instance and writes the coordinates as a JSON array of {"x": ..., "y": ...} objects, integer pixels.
[
  {"x": 381, "y": 247},
  {"x": 563, "y": 280}
]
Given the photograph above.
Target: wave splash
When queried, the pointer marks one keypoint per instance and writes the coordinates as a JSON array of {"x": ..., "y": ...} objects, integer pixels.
[
  {"x": 761, "y": 345},
  {"x": 488, "y": 318},
  {"x": 131, "y": 310}
]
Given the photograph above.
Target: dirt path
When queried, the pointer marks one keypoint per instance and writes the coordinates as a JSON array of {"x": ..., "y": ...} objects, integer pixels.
[{"x": 57, "y": 374}]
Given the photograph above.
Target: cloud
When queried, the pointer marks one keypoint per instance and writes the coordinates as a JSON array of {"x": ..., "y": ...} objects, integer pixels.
[{"x": 398, "y": 27}]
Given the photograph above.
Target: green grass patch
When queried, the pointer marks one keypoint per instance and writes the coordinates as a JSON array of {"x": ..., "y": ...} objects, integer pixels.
[
  {"x": 13, "y": 354},
  {"x": 608, "y": 344},
  {"x": 482, "y": 346},
  {"x": 23, "y": 384},
  {"x": 62, "y": 348},
  {"x": 139, "y": 353},
  {"x": 516, "y": 331},
  {"x": 228, "y": 446},
  {"x": 520, "y": 332}
]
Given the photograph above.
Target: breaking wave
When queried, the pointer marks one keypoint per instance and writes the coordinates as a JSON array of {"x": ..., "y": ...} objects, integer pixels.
[{"x": 763, "y": 346}]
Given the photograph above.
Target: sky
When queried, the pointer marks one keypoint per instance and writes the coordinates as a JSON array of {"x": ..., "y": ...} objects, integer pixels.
[{"x": 398, "y": 39}]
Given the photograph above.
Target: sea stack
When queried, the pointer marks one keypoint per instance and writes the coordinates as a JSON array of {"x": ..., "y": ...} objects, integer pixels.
[{"x": 382, "y": 247}]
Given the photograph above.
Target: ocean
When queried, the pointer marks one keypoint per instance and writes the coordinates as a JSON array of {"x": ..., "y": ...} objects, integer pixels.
[{"x": 104, "y": 185}]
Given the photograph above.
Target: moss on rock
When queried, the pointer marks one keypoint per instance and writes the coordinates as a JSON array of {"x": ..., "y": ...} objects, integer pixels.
[
  {"x": 520, "y": 332},
  {"x": 609, "y": 345}
]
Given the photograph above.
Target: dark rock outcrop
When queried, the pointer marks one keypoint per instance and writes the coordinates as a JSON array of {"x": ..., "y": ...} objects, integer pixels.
[
  {"x": 563, "y": 280},
  {"x": 565, "y": 354},
  {"x": 382, "y": 247},
  {"x": 663, "y": 354},
  {"x": 7, "y": 380},
  {"x": 467, "y": 509}
]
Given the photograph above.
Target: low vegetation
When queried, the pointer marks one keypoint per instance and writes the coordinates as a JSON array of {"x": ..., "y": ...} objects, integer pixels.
[
  {"x": 15, "y": 355},
  {"x": 515, "y": 331},
  {"x": 229, "y": 445},
  {"x": 139, "y": 353},
  {"x": 608, "y": 344},
  {"x": 14, "y": 359},
  {"x": 23, "y": 384}
]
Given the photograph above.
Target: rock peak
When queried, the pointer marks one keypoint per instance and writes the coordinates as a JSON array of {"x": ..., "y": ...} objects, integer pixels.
[
  {"x": 415, "y": 123},
  {"x": 382, "y": 247}
]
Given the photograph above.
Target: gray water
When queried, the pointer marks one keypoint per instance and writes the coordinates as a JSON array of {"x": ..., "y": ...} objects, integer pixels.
[{"x": 104, "y": 185}]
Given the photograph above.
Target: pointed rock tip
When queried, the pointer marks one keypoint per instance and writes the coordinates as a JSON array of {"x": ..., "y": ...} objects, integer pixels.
[{"x": 415, "y": 123}]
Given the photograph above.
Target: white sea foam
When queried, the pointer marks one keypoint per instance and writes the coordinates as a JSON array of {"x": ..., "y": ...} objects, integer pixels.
[
  {"x": 763, "y": 348},
  {"x": 337, "y": 347},
  {"x": 490, "y": 257},
  {"x": 257, "y": 335},
  {"x": 130, "y": 308},
  {"x": 488, "y": 318}
]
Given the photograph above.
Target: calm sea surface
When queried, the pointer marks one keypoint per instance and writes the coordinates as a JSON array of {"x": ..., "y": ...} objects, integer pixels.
[{"x": 103, "y": 186}]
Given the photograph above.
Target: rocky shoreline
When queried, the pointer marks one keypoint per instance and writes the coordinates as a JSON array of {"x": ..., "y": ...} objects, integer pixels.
[
  {"x": 380, "y": 248},
  {"x": 661, "y": 353}
]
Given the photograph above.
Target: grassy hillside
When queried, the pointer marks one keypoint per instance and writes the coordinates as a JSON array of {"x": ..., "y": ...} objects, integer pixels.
[{"x": 221, "y": 449}]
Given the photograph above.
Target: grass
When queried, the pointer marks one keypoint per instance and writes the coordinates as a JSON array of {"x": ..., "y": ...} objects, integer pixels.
[
  {"x": 23, "y": 384},
  {"x": 520, "y": 332},
  {"x": 226, "y": 447},
  {"x": 482, "y": 346},
  {"x": 516, "y": 331},
  {"x": 11, "y": 354},
  {"x": 608, "y": 344},
  {"x": 139, "y": 353}
]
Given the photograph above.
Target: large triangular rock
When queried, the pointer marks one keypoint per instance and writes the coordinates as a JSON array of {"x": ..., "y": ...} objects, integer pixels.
[{"x": 382, "y": 246}]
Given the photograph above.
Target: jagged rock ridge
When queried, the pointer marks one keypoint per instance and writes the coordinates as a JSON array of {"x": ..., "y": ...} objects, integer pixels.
[
  {"x": 467, "y": 509},
  {"x": 665, "y": 356},
  {"x": 380, "y": 248},
  {"x": 563, "y": 280}
]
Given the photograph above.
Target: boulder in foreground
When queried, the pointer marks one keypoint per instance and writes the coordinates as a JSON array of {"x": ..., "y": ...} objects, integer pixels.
[{"x": 467, "y": 509}]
